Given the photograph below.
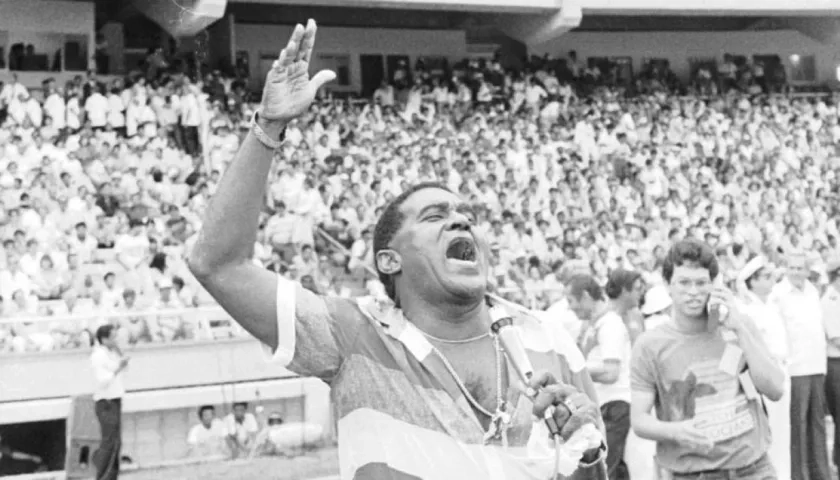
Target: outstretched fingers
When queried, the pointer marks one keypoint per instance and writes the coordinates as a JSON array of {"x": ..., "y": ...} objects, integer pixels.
[
  {"x": 280, "y": 62},
  {"x": 307, "y": 43},
  {"x": 293, "y": 47}
]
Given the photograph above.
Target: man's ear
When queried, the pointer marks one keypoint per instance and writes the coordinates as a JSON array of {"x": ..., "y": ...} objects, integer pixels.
[{"x": 388, "y": 262}]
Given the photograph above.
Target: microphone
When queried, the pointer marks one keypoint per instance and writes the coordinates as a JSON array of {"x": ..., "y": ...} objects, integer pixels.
[{"x": 502, "y": 327}]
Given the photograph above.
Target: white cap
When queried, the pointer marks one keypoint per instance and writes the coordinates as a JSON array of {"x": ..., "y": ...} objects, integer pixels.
[
  {"x": 656, "y": 300},
  {"x": 751, "y": 267}
]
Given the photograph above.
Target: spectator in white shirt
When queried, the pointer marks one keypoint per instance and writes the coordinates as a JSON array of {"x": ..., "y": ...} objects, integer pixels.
[
  {"x": 798, "y": 301},
  {"x": 12, "y": 90},
  {"x": 208, "y": 437},
  {"x": 190, "y": 120},
  {"x": 116, "y": 112},
  {"x": 755, "y": 280},
  {"x": 112, "y": 295},
  {"x": 133, "y": 253},
  {"x": 605, "y": 342},
  {"x": 831, "y": 319},
  {"x": 82, "y": 243},
  {"x": 108, "y": 366},
  {"x": 96, "y": 110},
  {"x": 241, "y": 428},
  {"x": 384, "y": 95},
  {"x": 55, "y": 107}
]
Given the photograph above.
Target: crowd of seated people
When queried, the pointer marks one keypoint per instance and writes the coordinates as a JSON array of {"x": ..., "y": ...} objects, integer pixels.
[{"x": 103, "y": 187}]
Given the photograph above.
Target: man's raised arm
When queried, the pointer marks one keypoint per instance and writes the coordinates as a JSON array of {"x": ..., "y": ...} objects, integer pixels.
[{"x": 221, "y": 258}]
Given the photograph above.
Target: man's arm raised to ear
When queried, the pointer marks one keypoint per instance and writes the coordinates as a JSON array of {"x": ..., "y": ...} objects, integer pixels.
[{"x": 266, "y": 305}]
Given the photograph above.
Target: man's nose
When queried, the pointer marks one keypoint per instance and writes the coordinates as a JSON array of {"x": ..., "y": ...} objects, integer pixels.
[{"x": 459, "y": 221}]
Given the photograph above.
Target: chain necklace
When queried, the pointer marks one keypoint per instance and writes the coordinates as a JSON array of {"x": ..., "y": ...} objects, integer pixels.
[
  {"x": 456, "y": 342},
  {"x": 500, "y": 420}
]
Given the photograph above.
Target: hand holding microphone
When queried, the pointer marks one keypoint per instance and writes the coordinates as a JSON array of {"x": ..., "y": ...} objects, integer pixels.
[{"x": 563, "y": 407}]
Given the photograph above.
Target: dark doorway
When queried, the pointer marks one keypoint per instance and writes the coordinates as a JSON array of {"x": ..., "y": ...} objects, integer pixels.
[
  {"x": 399, "y": 71},
  {"x": 373, "y": 71},
  {"x": 45, "y": 439}
]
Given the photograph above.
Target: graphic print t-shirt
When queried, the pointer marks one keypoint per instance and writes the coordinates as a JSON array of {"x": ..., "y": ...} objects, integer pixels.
[{"x": 683, "y": 371}]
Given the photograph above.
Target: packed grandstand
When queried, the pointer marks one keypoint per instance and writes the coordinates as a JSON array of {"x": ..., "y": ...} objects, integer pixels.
[{"x": 104, "y": 185}]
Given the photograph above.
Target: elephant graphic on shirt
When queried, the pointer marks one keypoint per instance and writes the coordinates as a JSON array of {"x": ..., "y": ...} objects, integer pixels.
[{"x": 681, "y": 397}]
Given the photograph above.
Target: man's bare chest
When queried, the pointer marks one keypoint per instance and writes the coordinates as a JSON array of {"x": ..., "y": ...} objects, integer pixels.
[{"x": 477, "y": 368}]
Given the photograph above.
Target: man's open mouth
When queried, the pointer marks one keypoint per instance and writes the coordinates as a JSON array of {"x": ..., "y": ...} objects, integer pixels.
[{"x": 462, "y": 249}]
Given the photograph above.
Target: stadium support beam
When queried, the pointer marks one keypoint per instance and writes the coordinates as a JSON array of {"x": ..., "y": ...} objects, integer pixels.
[
  {"x": 537, "y": 29},
  {"x": 182, "y": 18},
  {"x": 824, "y": 30}
]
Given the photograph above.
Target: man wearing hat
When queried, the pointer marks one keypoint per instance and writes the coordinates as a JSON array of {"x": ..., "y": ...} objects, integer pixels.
[
  {"x": 831, "y": 319},
  {"x": 755, "y": 282},
  {"x": 656, "y": 307}
]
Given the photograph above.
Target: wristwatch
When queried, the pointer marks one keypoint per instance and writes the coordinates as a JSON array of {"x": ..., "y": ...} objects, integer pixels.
[
  {"x": 593, "y": 456},
  {"x": 262, "y": 136}
]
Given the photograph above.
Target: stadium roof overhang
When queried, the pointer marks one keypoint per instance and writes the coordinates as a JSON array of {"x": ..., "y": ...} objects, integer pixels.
[
  {"x": 495, "y": 6},
  {"x": 530, "y": 21},
  {"x": 536, "y": 21}
]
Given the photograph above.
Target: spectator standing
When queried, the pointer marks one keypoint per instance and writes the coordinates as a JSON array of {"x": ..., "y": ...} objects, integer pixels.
[
  {"x": 756, "y": 282},
  {"x": 96, "y": 109},
  {"x": 605, "y": 342},
  {"x": 190, "y": 119},
  {"x": 831, "y": 319},
  {"x": 108, "y": 366},
  {"x": 798, "y": 301}
]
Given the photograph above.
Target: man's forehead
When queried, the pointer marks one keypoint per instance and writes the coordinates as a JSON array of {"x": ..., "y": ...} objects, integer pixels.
[
  {"x": 421, "y": 199},
  {"x": 690, "y": 270}
]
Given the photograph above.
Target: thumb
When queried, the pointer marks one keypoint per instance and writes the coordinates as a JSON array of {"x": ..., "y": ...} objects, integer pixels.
[{"x": 321, "y": 78}]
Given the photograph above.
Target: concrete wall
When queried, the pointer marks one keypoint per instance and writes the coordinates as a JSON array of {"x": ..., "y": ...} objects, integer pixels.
[
  {"x": 265, "y": 41},
  {"x": 184, "y": 364},
  {"x": 44, "y": 23},
  {"x": 679, "y": 47}
]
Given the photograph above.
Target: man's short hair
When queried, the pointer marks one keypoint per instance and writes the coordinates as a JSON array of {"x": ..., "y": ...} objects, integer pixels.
[
  {"x": 693, "y": 251},
  {"x": 581, "y": 283},
  {"x": 620, "y": 281},
  {"x": 389, "y": 224},
  {"x": 103, "y": 332},
  {"x": 202, "y": 408},
  {"x": 241, "y": 404}
]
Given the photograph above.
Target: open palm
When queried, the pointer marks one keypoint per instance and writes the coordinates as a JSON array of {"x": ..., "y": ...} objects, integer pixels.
[{"x": 288, "y": 89}]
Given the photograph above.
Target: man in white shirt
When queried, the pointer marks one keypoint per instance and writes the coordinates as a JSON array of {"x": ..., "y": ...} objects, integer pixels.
[
  {"x": 756, "y": 282},
  {"x": 241, "y": 428},
  {"x": 55, "y": 107},
  {"x": 831, "y": 319},
  {"x": 798, "y": 301},
  {"x": 190, "y": 120},
  {"x": 605, "y": 342},
  {"x": 108, "y": 365},
  {"x": 132, "y": 251},
  {"x": 208, "y": 437},
  {"x": 96, "y": 110}
]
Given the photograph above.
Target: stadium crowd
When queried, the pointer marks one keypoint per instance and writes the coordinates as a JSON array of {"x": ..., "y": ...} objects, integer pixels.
[{"x": 103, "y": 185}]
